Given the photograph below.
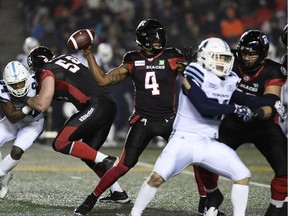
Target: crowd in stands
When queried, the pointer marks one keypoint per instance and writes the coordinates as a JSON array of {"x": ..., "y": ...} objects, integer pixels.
[{"x": 187, "y": 22}]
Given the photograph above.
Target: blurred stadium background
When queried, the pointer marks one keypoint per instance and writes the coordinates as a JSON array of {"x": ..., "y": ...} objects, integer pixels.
[{"x": 48, "y": 183}]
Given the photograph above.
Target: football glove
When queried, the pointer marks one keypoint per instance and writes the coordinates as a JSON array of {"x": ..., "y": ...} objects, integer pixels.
[
  {"x": 189, "y": 54},
  {"x": 243, "y": 112}
]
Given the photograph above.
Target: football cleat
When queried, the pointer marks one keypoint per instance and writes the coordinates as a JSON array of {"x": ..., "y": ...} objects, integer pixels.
[
  {"x": 201, "y": 205},
  {"x": 116, "y": 197},
  {"x": 274, "y": 211},
  {"x": 87, "y": 205},
  {"x": 212, "y": 211},
  {"x": 284, "y": 209},
  {"x": 220, "y": 213},
  {"x": 4, "y": 182},
  {"x": 214, "y": 200}
]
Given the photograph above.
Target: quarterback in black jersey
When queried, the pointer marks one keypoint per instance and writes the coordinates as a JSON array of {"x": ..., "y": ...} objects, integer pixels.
[
  {"x": 260, "y": 77},
  {"x": 153, "y": 70},
  {"x": 64, "y": 78}
]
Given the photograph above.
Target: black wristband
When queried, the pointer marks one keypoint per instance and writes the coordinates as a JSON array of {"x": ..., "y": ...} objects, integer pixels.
[{"x": 258, "y": 113}]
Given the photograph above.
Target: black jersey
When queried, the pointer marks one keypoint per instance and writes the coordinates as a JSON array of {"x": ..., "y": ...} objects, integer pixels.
[
  {"x": 269, "y": 74},
  {"x": 154, "y": 80},
  {"x": 73, "y": 81}
]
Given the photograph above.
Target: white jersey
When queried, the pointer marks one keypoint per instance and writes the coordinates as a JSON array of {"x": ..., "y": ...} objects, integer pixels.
[
  {"x": 25, "y": 131},
  {"x": 192, "y": 139},
  {"x": 188, "y": 118},
  {"x": 5, "y": 96}
]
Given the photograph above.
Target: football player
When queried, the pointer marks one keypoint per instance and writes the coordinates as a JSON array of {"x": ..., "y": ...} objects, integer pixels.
[
  {"x": 20, "y": 123},
  {"x": 64, "y": 78},
  {"x": 259, "y": 77},
  {"x": 207, "y": 89},
  {"x": 153, "y": 70}
]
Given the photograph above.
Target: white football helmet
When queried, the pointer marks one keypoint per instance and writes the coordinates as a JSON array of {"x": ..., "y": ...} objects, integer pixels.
[
  {"x": 14, "y": 73},
  {"x": 105, "y": 52},
  {"x": 215, "y": 55},
  {"x": 29, "y": 44}
]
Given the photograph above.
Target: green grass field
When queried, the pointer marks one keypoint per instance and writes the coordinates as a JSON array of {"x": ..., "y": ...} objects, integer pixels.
[{"x": 50, "y": 183}]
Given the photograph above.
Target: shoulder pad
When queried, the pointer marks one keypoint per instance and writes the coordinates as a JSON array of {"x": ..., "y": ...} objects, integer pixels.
[{"x": 128, "y": 56}]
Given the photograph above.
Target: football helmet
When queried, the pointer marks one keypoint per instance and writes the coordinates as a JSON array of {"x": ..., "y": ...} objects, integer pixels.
[
  {"x": 29, "y": 44},
  {"x": 252, "y": 42},
  {"x": 284, "y": 35},
  {"x": 149, "y": 31},
  {"x": 38, "y": 56},
  {"x": 215, "y": 55},
  {"x": 14, "y": 73},
  {"x": 105, "y": 53}
]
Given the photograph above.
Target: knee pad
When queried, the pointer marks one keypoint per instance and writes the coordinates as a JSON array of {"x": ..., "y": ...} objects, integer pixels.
[{"x": 155, "y": 180}]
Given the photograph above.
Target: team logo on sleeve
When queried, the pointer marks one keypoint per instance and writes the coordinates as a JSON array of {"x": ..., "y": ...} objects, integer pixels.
[{"x": 139, "y": 63}]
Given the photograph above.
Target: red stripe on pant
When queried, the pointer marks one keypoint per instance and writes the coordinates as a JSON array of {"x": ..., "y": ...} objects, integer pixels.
[{"x": 77, "y": 148}]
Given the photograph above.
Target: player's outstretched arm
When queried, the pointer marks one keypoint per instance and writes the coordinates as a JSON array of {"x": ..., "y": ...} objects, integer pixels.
[{"x": 113, "y": 77}]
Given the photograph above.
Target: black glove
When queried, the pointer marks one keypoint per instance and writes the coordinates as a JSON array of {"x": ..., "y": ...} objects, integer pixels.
[
  {"x": 243, "y": 112},
  {"x": 189, "y": 54}
]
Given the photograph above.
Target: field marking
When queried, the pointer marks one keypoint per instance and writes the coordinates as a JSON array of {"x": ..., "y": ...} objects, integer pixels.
[
  {"x": 192, "y": 173},
  {"x": 139, "y": 164}
]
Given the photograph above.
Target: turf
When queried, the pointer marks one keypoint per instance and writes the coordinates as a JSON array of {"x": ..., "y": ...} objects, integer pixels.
[{"x": 50, "y": 183}]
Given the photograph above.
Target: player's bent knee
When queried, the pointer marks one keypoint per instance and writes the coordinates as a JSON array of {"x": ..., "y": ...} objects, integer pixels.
[
  {"x": 59, "y": 145},
  {"x": 155, "y": 180}
]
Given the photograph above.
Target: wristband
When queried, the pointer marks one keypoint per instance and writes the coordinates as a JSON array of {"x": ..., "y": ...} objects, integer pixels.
[{"x": 26, "y": 109}]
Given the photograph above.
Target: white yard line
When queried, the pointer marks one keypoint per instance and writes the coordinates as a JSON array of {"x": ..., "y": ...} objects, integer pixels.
[{"x": 192, "y": 173}]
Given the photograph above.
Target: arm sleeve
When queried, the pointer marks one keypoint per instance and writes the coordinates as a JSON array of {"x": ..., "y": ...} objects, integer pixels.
[
  {"x": 250, "y": 100},
  {"x": 205, "y": 105}
]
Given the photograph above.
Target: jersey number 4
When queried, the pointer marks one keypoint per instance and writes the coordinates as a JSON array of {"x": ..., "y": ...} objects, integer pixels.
[{"x": 151, "y": 83}]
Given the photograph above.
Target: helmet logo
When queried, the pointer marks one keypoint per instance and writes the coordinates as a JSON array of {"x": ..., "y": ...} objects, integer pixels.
[
  {"x": 142, "y": 23},
  {"x": 29, "y": 61},
  {"x": 265, "y": 39}
]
